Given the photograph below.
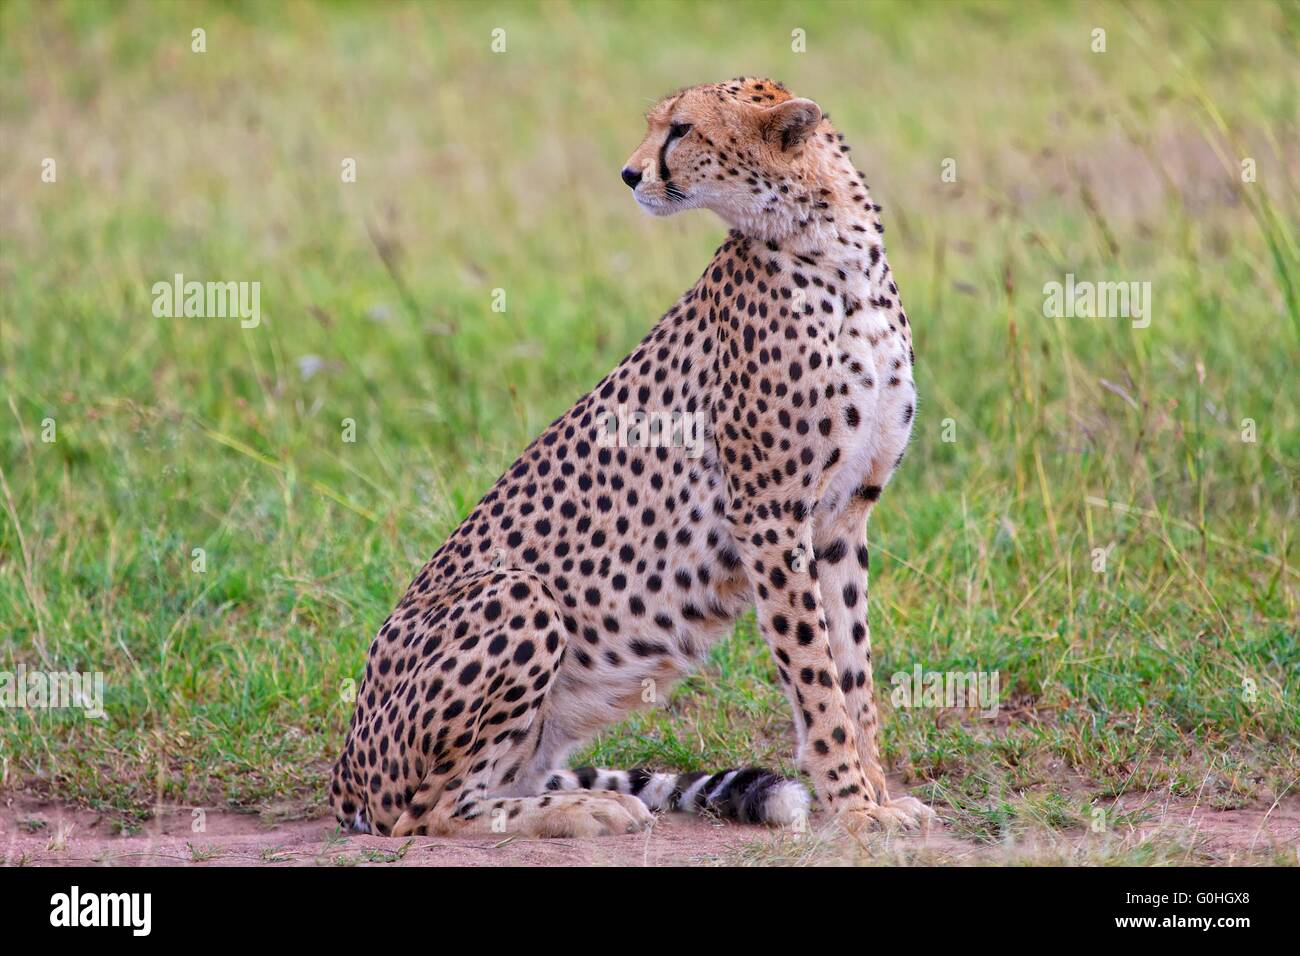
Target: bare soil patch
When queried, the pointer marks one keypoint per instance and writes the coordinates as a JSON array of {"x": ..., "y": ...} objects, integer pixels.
[{"x": 34, "y": 831}]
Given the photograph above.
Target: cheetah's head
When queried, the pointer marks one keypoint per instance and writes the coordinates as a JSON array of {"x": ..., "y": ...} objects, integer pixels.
[{"x": 745, "y": 149}]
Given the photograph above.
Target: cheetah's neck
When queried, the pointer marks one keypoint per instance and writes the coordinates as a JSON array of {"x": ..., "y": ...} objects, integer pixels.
[{"x": 829, "y": 222}]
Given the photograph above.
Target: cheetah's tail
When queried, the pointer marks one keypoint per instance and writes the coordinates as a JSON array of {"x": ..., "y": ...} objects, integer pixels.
[{"x": 750, "y": 796}]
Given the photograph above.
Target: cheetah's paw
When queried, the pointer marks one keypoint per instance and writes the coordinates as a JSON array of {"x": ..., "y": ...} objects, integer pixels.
[
  {"x": 594, "y": 815},
  {"x": 638, "y": 811},
  {"x": 920, "y": 815},
  {"x": 905, "y": 813}
]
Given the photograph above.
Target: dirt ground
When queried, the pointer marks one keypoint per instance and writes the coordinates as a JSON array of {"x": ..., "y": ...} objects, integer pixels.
[
  {"x": 37, "y": 832},
  {"x": 74, "y": 836}
]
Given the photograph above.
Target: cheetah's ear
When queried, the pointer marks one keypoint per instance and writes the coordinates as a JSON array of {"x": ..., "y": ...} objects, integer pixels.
[{"x": 791, "y": 122}]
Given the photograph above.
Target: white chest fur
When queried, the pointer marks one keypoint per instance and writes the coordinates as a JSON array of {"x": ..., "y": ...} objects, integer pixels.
[{"x": 873, "y": 362}]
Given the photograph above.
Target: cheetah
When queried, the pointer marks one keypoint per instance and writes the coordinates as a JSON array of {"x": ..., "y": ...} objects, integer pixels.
[{"x": 599, "y": 562}]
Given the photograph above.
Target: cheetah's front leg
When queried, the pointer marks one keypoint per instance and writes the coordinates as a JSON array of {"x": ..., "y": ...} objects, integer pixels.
[
  {"x": 778, "y": 557},
  {"x": 842, "y": 561}
]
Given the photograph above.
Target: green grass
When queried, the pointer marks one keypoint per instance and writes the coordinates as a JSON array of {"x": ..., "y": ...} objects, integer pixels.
[{"x": 480, "y": 171}]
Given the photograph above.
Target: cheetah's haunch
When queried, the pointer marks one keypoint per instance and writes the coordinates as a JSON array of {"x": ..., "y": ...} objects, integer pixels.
[{"x": 593, "y": 566}]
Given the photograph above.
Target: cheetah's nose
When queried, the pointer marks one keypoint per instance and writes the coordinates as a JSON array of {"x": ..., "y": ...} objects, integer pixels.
[{"x": 631, "y": 176}]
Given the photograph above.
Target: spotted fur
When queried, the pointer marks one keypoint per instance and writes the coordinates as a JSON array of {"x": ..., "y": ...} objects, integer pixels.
[{"x": 588, "y": 571}]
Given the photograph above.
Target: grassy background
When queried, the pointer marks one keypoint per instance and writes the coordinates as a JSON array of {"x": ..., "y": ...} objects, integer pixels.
[{"x": 479, "y": 171}]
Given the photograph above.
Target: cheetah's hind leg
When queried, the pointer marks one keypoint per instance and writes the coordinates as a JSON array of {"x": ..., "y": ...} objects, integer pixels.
[
  {"x": 747, "y": 796},
  {"x": 487, "y": 719},
  {"x": 587, "y": 814}
]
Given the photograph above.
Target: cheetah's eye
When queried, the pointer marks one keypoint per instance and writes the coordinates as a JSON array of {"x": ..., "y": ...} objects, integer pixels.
[{"x": 678, "y": 130}]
